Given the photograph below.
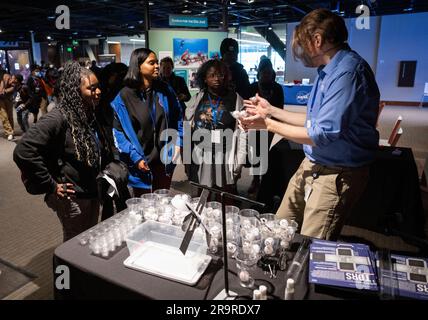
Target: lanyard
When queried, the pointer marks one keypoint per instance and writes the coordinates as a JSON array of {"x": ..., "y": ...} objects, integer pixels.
[{"x": 214, "y": 109}]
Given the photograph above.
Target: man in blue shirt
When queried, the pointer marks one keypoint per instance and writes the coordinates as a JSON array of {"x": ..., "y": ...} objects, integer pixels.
[{"x": 338, "y": 131}]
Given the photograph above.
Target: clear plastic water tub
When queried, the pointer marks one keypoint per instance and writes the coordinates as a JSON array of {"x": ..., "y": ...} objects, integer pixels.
[{"x": 154, "y": 249}]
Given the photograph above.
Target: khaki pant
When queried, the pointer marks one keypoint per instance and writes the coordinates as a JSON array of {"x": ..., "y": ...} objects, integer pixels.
[
  {"x": 6, "y": 116},
  {"x": 319, "y": 198}
]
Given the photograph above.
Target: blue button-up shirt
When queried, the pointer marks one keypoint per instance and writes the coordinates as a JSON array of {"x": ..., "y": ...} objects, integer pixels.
[{"x": 342, "y": 113}]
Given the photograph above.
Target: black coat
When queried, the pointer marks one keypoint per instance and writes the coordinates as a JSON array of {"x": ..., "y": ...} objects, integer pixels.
[
  {"x": 46, "y": 156},
  {"x": 180, "y": 87}
]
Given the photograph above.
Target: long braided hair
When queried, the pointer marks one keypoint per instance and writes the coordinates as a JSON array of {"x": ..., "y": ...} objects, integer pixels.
[{"x": 71, "y": 106}]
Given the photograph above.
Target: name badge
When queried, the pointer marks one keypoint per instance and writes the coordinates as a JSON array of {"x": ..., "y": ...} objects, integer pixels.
[
  {"x": 308, "y": 124},
  {"x": 215, "y": 136},
  {"x": 308, "y": 191}
]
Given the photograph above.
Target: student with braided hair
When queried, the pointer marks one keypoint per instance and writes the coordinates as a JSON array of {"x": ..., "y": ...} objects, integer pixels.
[{"x": 60, "y": 156}]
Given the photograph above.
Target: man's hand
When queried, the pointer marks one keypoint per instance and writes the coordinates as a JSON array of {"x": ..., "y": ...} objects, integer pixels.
[
  {"x": 65, "y": 190},
  {"x": 142, "y": 165},
  {"x": 254, "y": 122},
  {"x": 258, "y": 106}
]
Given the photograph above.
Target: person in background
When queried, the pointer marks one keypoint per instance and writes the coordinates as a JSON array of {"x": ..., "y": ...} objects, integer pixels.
[
  {"x": 20, "y": 100},
  {"x": 111, "y": 82},
  {"x": 38, "y": 97},
  {"x": 95, "y": 69},
  {"x": 211, "y": 109},
  {"x": 143, "y": 109},
  {"x": 338, "y": 132},
  {"x": 266, "y": 87},
  {"x": 177, "y": 83},
  {"x": 60, "y": 155},
  {"x": 50, "y": 84},
  {"x": 238, "y": 81},
  {"x": 7, "y": 90}
]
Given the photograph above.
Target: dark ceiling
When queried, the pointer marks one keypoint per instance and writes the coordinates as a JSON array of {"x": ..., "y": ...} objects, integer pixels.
[{"x": 100, "y": 18}]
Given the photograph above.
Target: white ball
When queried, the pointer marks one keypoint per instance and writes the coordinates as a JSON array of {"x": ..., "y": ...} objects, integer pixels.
[
  {"x": 243, "y": 114},
  {"x": 217, "y": 213},
  {"x": 231, "y": 247},
  {"x": 283, "y": 223},
  {"x": 285, "y": 244},
  {"x": 256, "y": 249},
  {"x": 246, "y": 224},
  {"x": 164, "y": 200},
  {"x": 268, "y": 250},
  {"x": 256, "y": 231},
  {"x": 269, "y": 241},
  {"x": 179, "y": 203},
  {"x": 235, "y": 114},
  {"x": 244, "y": 276}
]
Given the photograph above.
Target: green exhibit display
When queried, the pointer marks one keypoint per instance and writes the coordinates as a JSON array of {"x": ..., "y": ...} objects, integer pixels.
[{"x": 162, "y": 42}]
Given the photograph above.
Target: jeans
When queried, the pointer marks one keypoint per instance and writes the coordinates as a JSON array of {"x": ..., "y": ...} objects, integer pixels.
[
  {"x": 75, "y": 215},
  {"x": 22, "y": 117}
]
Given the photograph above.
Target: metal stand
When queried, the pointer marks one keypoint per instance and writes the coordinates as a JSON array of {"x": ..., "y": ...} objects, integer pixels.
[{"x": 226, "y": 294}]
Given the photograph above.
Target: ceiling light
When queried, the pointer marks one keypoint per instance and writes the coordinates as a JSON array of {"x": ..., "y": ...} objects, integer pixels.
[
  {"x": 251, "y": 41},
  {"x": 1, "y": 30},
  {"x": 251, "y": 34},
  {"x": 137, "y": 40},
  {"x": 49, "y": 37},
  {"x": 408, "y": 9},
  {"x": 113, "y": 42},
  {"x": 151, "y": 3}
]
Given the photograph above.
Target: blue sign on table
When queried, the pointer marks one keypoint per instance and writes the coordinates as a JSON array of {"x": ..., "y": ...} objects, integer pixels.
[
  {"x": 187, "y": 21},
  {"x": 297, "y": 94}
]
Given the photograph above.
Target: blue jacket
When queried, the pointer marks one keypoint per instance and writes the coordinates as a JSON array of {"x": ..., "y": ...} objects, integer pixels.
[{"x": 126, "y": 141}]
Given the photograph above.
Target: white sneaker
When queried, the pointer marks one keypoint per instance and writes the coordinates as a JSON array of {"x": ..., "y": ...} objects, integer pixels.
[{"x": 10, "y": 137}]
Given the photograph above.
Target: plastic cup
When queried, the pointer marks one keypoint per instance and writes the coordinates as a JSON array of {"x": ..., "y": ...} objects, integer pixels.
[{"x": 135, "y": 205}]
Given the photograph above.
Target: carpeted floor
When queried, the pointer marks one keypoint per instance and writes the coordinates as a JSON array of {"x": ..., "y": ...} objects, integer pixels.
[{"x": 29, "y": 231}]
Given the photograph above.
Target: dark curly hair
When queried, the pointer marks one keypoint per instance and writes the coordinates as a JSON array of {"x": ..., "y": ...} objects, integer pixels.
[
  {"x": 71, "y": 106},
  {"x": 212, "y": 63}
]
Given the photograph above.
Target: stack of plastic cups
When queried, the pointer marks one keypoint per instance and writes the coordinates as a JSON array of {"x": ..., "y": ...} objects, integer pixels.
[
  {"x": 213, "y": 212},
  {"x": 250, "y": 232},
  {"x": 270, "y": 240},
  {"x": 232, "y": 230}
]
